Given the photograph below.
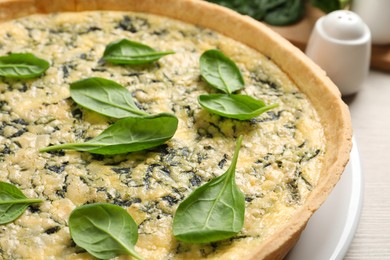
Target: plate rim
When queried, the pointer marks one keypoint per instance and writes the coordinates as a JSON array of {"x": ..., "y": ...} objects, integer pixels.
[{"x": 352, "y": 213}]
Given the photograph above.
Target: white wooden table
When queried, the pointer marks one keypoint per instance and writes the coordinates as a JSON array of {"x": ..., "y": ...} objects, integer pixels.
[{"x": 370, "y": 111}]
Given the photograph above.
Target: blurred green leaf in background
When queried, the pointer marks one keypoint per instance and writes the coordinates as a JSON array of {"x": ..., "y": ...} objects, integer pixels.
[{"x": 279, "y": 12}]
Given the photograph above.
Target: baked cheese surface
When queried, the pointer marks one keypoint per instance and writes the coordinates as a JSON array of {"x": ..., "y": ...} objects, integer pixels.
[{"x": 279, "y": 162}]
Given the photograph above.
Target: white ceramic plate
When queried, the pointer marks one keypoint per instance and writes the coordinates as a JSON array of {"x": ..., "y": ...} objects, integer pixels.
[{"x": 332, "y": 228}]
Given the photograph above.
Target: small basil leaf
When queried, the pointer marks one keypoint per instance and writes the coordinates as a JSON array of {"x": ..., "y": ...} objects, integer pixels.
[
  {"x": 133, "y": 53},
  {"x": 105, "y": 97},
  {"x": 12, "y": 202},
  {"x": 220, "y": 72},
  {"x": 288, "y": 13},
  {"x": 22, "y": 66},
  {"x": 104, "y": 230},
  {"x": 213, "y": 212},
  {"x": 127, "y": 135},
  {"x": 235, "y": 106}
]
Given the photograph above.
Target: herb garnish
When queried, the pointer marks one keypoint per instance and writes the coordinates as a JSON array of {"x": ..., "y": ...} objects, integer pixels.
[
  {"x": 104, "y": 230},
  {"x": 22, "y": 66},
  {"x": 133, "y": 53},
  {"x": 13, "y": 202},
  {"x": 237, "y": 106},
  {"x": 223, "y": 74},
  {"x": 127, "y": 135},
  {"x": 214, "y": 211},
  {"x": 105, "y": 97},
  {"x": 220, "y": 71}
]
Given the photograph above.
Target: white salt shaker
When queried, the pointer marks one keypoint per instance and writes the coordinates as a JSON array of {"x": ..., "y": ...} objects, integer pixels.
[{"x": 340, "y": 43}]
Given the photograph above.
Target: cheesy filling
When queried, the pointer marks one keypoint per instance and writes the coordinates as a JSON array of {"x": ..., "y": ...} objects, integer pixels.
[{"x": 278, "y": 165}]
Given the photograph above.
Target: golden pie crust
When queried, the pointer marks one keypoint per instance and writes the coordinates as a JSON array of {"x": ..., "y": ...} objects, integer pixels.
[{"x": 309, "y": 78}]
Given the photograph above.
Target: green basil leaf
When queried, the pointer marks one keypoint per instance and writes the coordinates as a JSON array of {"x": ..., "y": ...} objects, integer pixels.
[
  {"x": 220, "y": 72},
  {"x": 12, "y": 202},
  {"x": 133, "y": 53},
  {"x": 235, "y": 106},
  {"x": 213, "y": 212},
  {"x": 22, "y": 66},
  {"x": 127, "y": 135},
  {"x": 290, "y": 12},
  {"x": 104, "y": 230},
  {"x": 105, "y": 97}
]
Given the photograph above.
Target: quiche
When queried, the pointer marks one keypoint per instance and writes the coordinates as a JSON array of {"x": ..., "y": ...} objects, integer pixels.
[{"x": 290, "y": 158}]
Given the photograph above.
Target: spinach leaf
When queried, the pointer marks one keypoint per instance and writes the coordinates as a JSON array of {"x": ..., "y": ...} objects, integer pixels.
[
  {"x": 220, "y": 72},
  {"x": 289, "y": 12},
  {"x": 280, "y": 12},
  {"x": 22, "y": 66},
  {"x": 251, "y": 8},
  {"x": 105, "y": 97},
  {"x": 213, "y": 212},
  {"x": 328, "y": 6},
  {"x": 104, "y": 230},
  {"x": 127, "y": 135},
  {"x": 12, "y": 202},
  {"x": 275, "y": 12},
  {"x": 133, "y": 53},
  {"x": 269, "y": 5},
  {"x": 235, "y": 106}
]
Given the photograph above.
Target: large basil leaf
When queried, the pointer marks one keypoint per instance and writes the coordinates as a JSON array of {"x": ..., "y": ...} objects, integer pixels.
[
  {"x": 133, "y": 53},
  {"x": 127, "y": 135},
  {"x": 214, "y": 211},
  {"x": 220, "y": 71},
  {"x": 105, "y": 97},
  {"x": 13, "y": 202},
  {"x": 235, "y": 106},
  {"x": 22, "y": 66},
  {"x": 104, "y": 230}
]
